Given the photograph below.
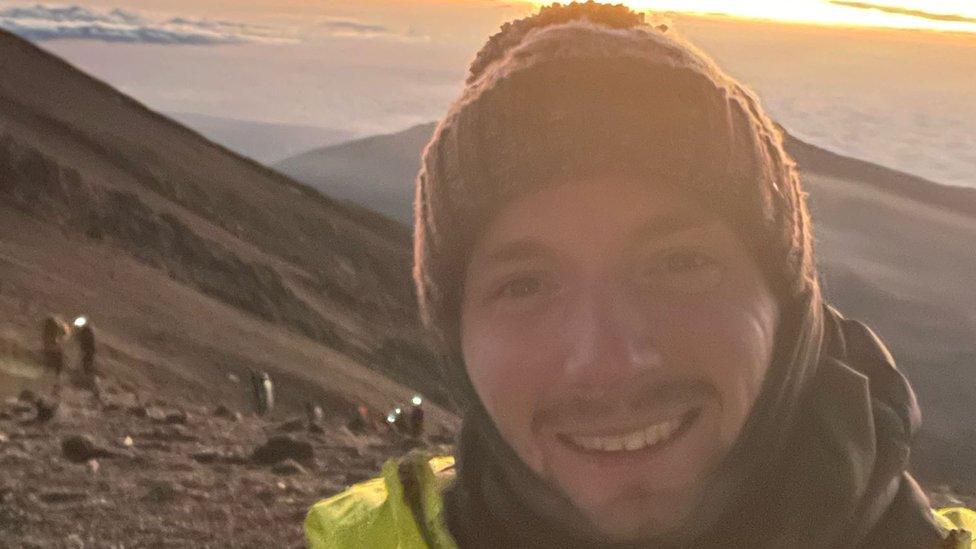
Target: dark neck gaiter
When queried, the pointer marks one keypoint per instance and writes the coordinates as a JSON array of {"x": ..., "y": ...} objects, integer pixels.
[{"x": 820, "y": 463}]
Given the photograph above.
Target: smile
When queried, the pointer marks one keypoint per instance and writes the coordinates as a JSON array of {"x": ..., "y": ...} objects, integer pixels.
[{"x": 655, "y": 435}]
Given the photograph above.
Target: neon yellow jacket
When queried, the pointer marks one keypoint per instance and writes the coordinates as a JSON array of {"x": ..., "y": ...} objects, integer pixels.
[{"x": 403, "y": 509}]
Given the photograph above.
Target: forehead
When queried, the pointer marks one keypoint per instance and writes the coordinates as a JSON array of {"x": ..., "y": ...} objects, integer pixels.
[{"x": 594, "y": 211}]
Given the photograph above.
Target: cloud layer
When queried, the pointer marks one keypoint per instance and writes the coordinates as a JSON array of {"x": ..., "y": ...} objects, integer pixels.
[
  {"x": 49, "y": 22},
  {"x": 952, "y": 18},
  {"x": 353, "y": 28}
]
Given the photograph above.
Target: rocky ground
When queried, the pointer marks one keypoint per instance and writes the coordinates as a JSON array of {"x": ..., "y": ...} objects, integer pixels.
[{"x": 137, "y": 472}]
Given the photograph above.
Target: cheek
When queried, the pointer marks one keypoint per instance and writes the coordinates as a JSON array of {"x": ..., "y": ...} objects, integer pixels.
[
  {"x": 728, "y": 342},
  {"x": 510, "y": 364}
]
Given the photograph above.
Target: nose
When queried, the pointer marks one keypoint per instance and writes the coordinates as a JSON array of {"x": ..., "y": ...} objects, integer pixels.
[{"x": 610, "y": 340}]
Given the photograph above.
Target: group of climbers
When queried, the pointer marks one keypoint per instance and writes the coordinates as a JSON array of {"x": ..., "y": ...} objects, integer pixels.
[
  {"x": 409, "y": 421},
  {"x": 405, "y": 421},
  {"x": 55, "y": 334}
]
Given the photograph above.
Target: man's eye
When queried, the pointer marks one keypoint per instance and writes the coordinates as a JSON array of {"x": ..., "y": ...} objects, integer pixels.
[
  {"x": 683, "y": 271},
  {"x": 521, "y": 288}
]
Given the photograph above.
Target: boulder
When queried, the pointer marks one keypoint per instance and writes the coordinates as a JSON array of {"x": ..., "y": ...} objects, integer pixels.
[
  {"x": 223, "y": 411},
  {"x": 282, "y": 447},
  {"x": 81, "y": 448}
]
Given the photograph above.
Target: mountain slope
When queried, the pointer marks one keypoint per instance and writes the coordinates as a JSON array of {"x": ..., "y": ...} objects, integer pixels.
[
  {"x": 193, "y": 262},
  {"x": 895, "y": 250}
]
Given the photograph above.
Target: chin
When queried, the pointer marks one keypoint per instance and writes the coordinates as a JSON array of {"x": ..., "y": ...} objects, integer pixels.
[
  {"x": 639, "y": 493},
  {"x": 635, "y": 518}
]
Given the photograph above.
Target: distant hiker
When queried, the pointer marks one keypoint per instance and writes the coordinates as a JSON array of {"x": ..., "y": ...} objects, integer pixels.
[
  {"x": 361, "y": 420},
  {"x": 46, "y": 409},
  {"x": 313, "y": 412},
  {"x": 263, "y": 390},
  {"x": 84, "y": 333},
  {"x": 614, "y": 248},
  {"x": 53, "y": 332},
  {"x": 255, "y": 385},
  {"x": 416, "y": 416},
  {"x": 88, "y": 377},
  {"x": 396, "y": 420}
]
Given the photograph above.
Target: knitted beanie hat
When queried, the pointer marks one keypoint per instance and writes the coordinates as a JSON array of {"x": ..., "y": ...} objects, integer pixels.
[{"x": 587, "y": 89}]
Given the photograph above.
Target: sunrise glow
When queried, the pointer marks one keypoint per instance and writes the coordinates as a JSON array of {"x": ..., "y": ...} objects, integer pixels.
[{"x": 941, "y": 15}]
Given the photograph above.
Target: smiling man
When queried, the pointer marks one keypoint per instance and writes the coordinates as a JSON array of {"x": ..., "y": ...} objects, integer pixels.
[{"x": 616, "y": 253}]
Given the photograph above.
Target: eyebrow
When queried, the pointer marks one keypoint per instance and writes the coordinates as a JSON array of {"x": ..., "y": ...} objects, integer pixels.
[
  {"x": 656, "y": 227},
  {"x": 518, "y": 250},
  {"x": 666, "y": 225}
]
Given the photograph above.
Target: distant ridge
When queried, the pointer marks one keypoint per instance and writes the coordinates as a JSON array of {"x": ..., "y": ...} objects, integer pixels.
[
  {"x": 821, "y": 161},
  {"x": 263, "y": 141},
  {"x": 378, "y": 171}
]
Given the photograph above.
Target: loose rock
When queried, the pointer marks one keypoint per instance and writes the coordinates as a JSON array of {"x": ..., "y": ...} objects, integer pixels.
[
  {"x": 288, "y": 467},
  {"x": 216, "y": 456},
  {"x": 74, "y": 541},
  {"x": 223, "y": 411},
  {"x": 17, "y": 406},
  {"x": 291, "y": 425},
  {"x": 163, "y": 492},
  {"x": 81, "y": 448},
  {"x": 46, "y": 409},
  {"x": 156, "y": 414},
  {"x": 282, "y": 447},
  {"x": 172, "y": 433},
  {"x": 177, "y": 417},
  {"x": 61, "y": 496},
  {"x": 138, "y": 411}
]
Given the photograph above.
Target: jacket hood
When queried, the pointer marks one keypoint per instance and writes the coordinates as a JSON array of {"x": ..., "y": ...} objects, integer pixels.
[{"x": 821, "y": 463}]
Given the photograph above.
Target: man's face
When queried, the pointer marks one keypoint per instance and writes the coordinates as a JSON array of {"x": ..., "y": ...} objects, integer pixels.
[{"x": 618, "y": 334}]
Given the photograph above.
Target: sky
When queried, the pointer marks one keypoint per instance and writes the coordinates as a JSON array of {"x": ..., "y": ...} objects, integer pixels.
[{"x": 891, "y": 81}]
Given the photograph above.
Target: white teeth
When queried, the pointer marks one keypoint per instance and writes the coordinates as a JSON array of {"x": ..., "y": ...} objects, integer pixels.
[
  {"x": 611, "y": 444},
  {"x": 636, "y": 440}
]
